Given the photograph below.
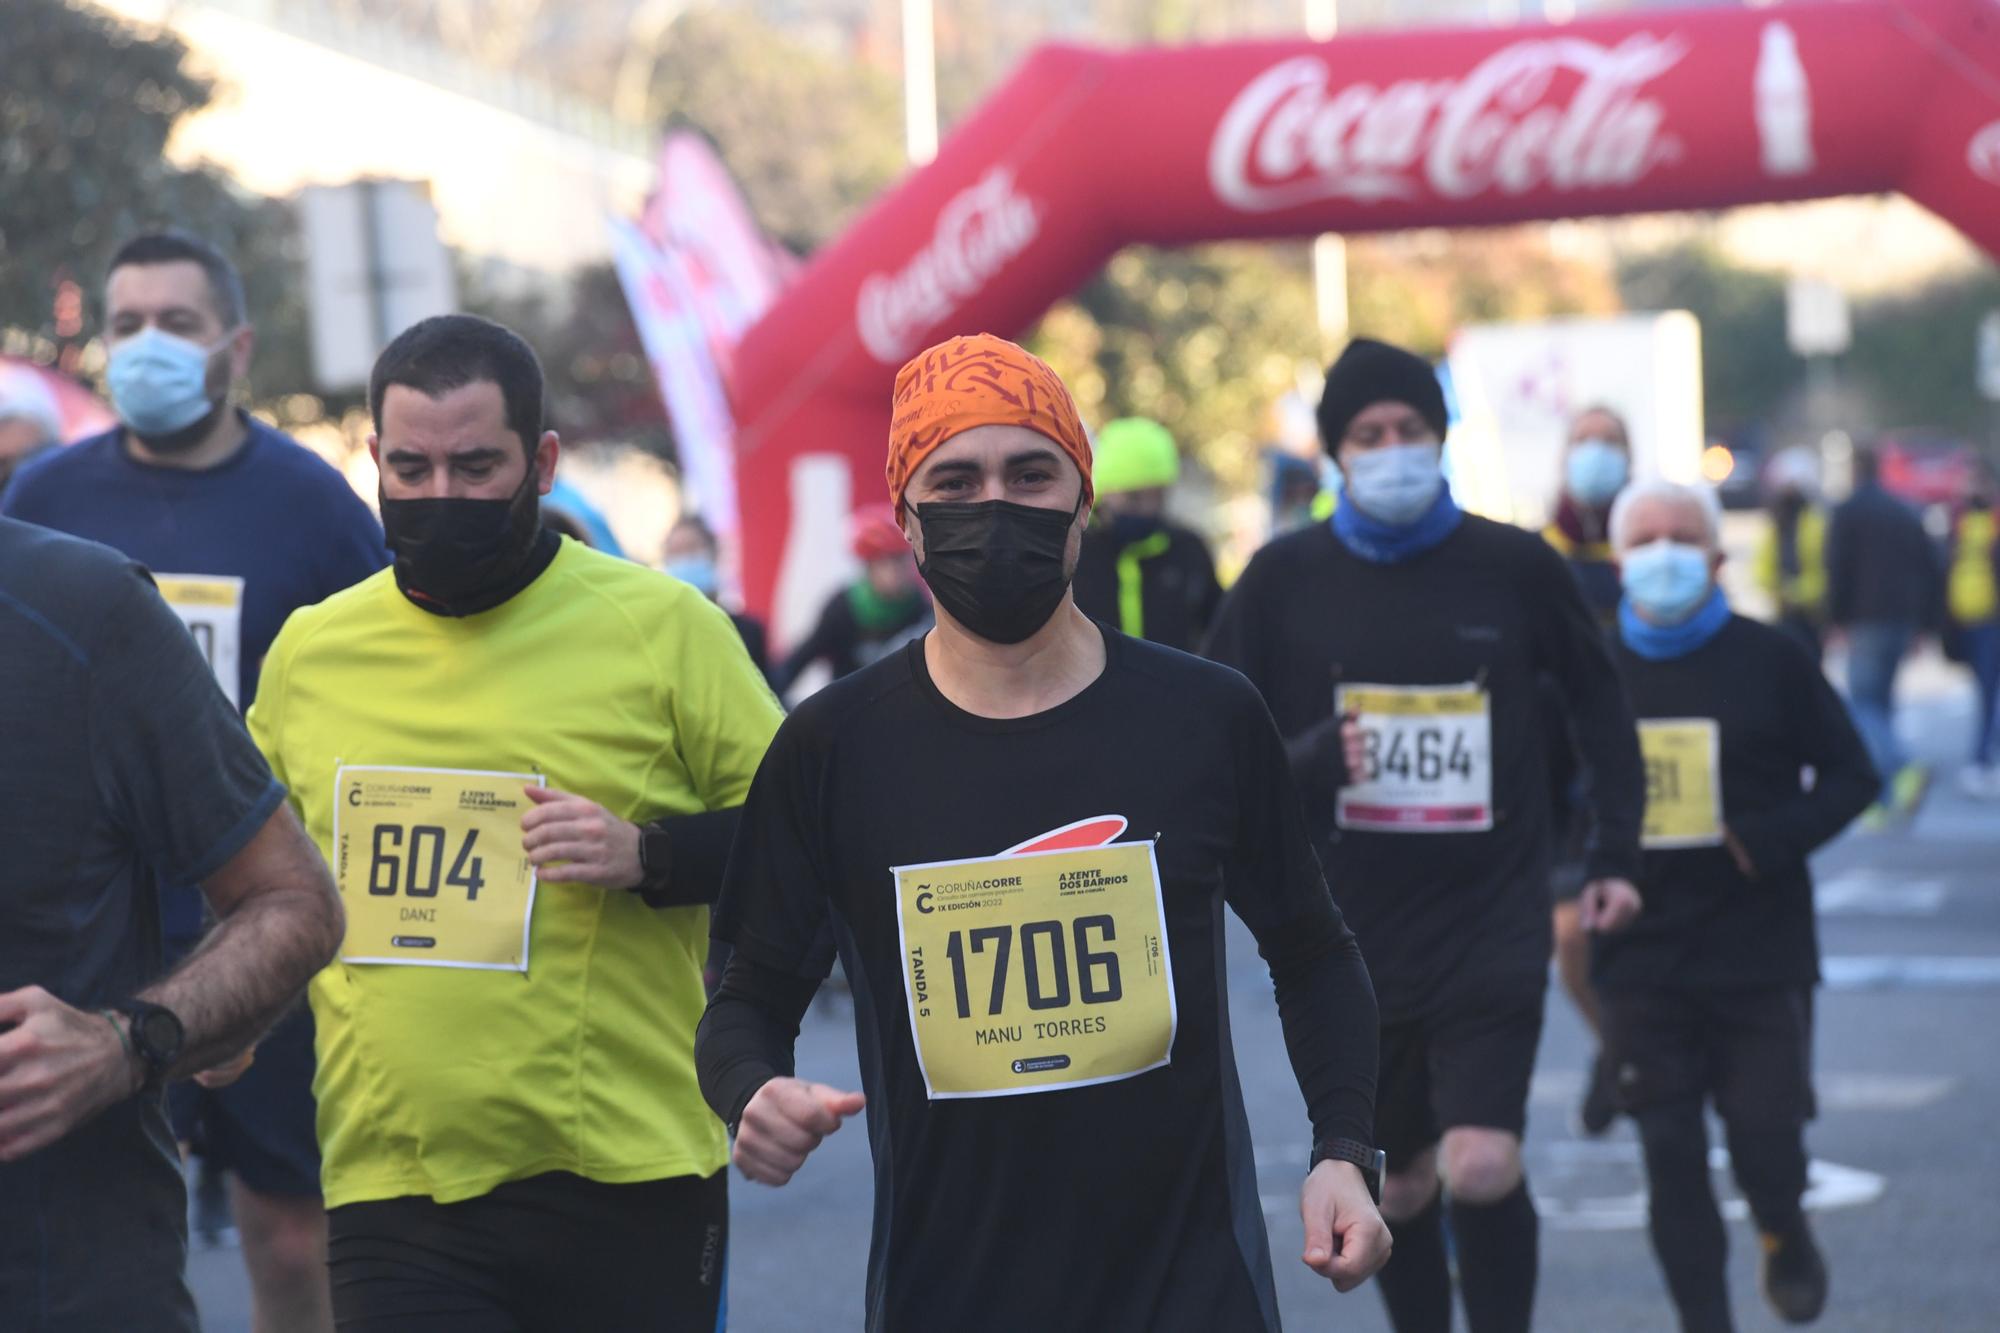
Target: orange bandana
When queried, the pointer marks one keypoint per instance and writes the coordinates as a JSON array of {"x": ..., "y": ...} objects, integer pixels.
[{"x": 972, "y": 381}]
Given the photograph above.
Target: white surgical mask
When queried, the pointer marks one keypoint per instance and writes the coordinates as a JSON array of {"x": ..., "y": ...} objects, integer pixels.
[
  {"x": 1396, "y": 483},
  {"x": 1596, "y": 471},
  {"x": 159, "y": 382}
]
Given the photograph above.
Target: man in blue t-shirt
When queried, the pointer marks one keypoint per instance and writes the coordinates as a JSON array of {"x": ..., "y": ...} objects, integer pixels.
[{"x": 240, "y": 526}]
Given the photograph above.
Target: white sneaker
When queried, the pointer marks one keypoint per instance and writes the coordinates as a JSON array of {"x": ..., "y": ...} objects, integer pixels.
[{"x": 1981, "y": 782}]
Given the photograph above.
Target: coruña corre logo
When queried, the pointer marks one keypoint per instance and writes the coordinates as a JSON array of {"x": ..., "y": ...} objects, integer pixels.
[
  {"x": 979, "y": 232},
  {"x": 1292, "y": 137}
]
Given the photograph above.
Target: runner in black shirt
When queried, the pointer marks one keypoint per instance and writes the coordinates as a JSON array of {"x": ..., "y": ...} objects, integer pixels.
[
  {"x": 879, "y": 611},
  {"x": 1709, "y": 994},
  {"x": 1023, "y": 829},
  {"x": 1597, "y": 463},
  {"x": 1429, "y": 631}
]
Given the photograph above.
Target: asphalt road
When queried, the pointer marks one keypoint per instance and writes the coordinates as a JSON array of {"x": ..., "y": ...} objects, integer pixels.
[{"x": 1906, "y": 1159}]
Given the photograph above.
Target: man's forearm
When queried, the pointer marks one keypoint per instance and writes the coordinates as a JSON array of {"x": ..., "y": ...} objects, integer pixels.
[
  {"x": 746, "y": 1037},
  {"x": 247, "y": 972}
]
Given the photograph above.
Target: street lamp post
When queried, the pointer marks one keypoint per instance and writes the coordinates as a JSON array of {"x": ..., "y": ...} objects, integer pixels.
[
  {"x": 920, "y": 115},
  {"x": 1329, "y": 248}
]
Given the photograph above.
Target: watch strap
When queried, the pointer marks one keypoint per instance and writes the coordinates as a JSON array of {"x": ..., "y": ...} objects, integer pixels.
[
  {"x": 138, "y": 1013},
  {"x": 1371, "y": 1161},
  {"x": 655, "y": 862}
]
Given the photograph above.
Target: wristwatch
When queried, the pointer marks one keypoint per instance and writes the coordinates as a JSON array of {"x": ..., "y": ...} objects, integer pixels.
[
  {"x": 157, "y": 1037},
  {"x": 655, "y": 857},
  {"x": 1372, "y": 1161}
]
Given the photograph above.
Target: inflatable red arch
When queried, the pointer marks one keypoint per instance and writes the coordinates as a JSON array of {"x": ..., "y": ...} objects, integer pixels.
[{"x": 1083, "y": 152}]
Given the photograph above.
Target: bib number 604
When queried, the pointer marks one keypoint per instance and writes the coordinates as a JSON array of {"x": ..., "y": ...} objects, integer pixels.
[
  {"x": 1097, "y": 977},
  {"x": 411, "y": 861}
]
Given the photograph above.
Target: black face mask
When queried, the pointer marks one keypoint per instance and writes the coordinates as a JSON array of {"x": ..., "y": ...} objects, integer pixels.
[
  {"x": 1126, "y": 529},
  {"x": 460, "y": 556},
  {"x": 998, "y": 567}
]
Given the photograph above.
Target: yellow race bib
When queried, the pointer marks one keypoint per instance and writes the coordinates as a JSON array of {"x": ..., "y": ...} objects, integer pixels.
[
  {"x": 1427, "y": 762},
  {"x": 211, "y": 606},
  {"x": 430, "y": 866},
  {"x": 1039, "y": 971},
  {"x": 1683, "y": 782}
]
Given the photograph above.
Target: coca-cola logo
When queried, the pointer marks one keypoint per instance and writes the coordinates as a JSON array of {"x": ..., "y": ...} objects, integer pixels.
[
  {"x": 978, "y": 233},
  {"x": 1293, "y": 137},
  {"x": 1982, "y": 154}
]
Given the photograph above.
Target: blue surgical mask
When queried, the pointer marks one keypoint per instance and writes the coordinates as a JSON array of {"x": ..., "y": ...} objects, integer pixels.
[
  {"x": 1396, "y": 483},
  {"x": 1597, "y": 471},
  {"x": 1666, "y": 581},
  {"x": 698, "y": 572},
  {"x": 159, "y": 382}
]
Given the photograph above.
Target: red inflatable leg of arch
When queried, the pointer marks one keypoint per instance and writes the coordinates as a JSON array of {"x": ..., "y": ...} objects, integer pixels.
[{"x": 1083, "y": 152}]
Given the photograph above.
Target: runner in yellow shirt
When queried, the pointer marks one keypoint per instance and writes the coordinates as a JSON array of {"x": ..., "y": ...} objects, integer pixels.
[{"x": 508, "y": 1112}]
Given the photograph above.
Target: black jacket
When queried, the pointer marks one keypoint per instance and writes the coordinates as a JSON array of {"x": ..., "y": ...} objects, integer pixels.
[
  {"x": 1178, "y": 593},
  {"x": 1881, "y": 566}
]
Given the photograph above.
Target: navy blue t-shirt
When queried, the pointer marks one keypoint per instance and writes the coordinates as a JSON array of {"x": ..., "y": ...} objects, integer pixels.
[
  {"x": 122, "y": 767},
  {"x": 274, "y": 515}
]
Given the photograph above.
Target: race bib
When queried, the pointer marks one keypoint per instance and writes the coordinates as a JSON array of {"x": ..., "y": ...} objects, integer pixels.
[
  {"x": 1683, "y": 782},
  {"x": 1033, "y": 972},
  {"x": 1427, "y": 764},
  {"x": 430, "y": 866},
  {"x": 211, "y": 606}
]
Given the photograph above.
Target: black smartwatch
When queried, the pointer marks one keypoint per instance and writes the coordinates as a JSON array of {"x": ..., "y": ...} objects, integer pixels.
[
  {"x": 157, "y": 1036},
  {"x": 655, "y": 858},
  {"x": 1372, "y": 1161}
]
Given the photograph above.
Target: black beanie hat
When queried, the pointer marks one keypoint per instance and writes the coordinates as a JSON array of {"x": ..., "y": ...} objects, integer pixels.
[{"x": 1371, "y": 372}]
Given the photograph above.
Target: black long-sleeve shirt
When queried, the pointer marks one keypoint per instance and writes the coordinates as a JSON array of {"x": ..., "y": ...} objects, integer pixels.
[
  {"x": 1705, "y": 924},
  {"x": 1106, "y": 1151},
  {"x": 1490, "y": 611},
  {"x": 840, "y": 640}
]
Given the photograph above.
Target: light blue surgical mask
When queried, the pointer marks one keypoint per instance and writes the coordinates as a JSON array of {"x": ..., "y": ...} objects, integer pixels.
[
  {"x": 1666, "y": 581},
  {"x": 1396, "y": 483},
  {"x": 698, "y": 572},
  {"x": 159, "y": 382},
  {"x": 1597, "y": 471}
]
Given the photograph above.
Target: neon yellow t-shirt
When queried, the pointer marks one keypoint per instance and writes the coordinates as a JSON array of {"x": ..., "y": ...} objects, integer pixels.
[{"x": 613, "y": 682}]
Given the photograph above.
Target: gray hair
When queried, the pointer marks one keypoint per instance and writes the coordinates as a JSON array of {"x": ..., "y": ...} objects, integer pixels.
[
  {"x": 1701, "y": 498},
  {"x": 25, "y": 396}
]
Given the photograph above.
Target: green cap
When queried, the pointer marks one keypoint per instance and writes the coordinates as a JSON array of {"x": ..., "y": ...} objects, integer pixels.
[{"x": 1134, "y": 454}]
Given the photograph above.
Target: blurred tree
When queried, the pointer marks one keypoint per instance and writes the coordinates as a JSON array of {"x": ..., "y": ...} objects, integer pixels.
[
  {"x": 1201, "y": 339},
  {"x": 811, "y": 138},
  {"x": 1914, "y": 355},
  {"x": 600, "y": 388},
  {"x": 1415, "y": 288},
  {"x": 1205, "y": 339},
  {"x": 1748, "y": 371},
  {"x": 86, "y": 105}
]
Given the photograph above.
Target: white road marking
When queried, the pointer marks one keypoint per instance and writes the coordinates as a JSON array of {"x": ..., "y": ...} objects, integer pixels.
[
  {"x": 1607, "y": 1167},
  {"x": 1909, "y": 972},
  {"x": 1838, "y": 1091},
  {"x": 1874, "y": 893},
  {"x": 1829, "y": 1185}
]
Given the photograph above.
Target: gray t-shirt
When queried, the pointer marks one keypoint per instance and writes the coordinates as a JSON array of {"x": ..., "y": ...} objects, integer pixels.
[{"x": 123, "y": 766}]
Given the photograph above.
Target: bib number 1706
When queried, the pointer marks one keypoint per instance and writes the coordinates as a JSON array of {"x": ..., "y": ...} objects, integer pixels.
[
  {"x": 1097, "y": 979},
  {"x": 411, "y": 861}
]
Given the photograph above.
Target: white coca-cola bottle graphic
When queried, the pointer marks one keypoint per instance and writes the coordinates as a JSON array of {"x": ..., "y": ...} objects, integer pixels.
[{"x": 1784, "y": 104}]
